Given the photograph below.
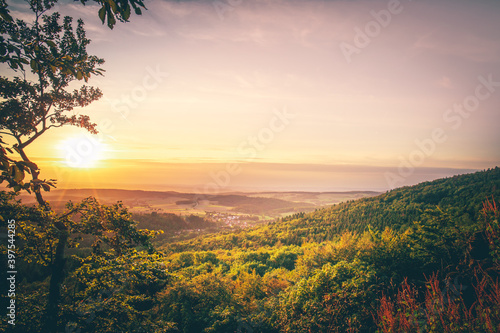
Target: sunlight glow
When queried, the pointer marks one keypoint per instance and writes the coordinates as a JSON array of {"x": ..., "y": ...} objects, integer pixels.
[{"x": 82, "y": 151}]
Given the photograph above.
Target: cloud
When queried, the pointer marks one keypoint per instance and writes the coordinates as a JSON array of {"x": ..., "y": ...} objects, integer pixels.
[
  {"x": 468, "y": 46},
  {"x": 280, "y": 176},
  {"x": 445, "y": 82},
  {"x": 226, "y": 75}
]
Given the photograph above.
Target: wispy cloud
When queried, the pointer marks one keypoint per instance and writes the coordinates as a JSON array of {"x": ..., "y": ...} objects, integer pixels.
[{"x": 226, "y": 76}]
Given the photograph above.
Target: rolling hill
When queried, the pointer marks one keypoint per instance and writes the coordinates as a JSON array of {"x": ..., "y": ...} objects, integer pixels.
[
  {"x": 264, "y": 204},
  {"x": 424, "y": 258},
  {"x": 460, "y": 196}
]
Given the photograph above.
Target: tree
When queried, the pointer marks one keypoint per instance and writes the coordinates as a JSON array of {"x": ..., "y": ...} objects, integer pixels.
[
  {"x": 47, "y": 55},
  {"x": 33, "y": 107},
  {"x": 117, "y": 9},
  {"x": 334, "y": 298},
  {"x": 36, "y": 100},
  {"x": 110, "y": 9},
  {"x": 110, "y": 229}
]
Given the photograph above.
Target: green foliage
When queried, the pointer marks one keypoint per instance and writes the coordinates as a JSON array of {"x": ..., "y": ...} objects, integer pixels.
[
  {"x": 113, "y": 278},
  {"x": 201, "y": 304},
  {"x": 335, "y": 298},
  {"x": 171, "y": 224},
  {"x": 112, "y": 226},
  {"x": 334, "y": 281},
  {"x": 295, "y": 275},
  {"x": 37, "y": 98},
  {"x": 114, "y": 293},
  {"x": 109, "y": 226},
  {"x": 112, "y": 10},
  {"x": 354, "y": 267},
  {"x": 46, "y": 55},
  {"x": 492, "y": 229},
  {"x": 460, "y": 197}
]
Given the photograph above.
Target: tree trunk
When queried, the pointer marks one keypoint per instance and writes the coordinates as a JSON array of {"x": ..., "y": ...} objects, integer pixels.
[
  {"x": 57, "y": 266},
  {"x": 56, "y": 280},
  {"x": 34, "y": 176}
]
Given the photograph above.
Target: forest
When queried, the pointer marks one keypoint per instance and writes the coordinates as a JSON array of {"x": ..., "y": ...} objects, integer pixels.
[{"x": 423, "y": 258}]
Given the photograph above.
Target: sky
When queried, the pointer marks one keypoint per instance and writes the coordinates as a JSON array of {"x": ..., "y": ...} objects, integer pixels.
[{"x": 214, "y": 96}]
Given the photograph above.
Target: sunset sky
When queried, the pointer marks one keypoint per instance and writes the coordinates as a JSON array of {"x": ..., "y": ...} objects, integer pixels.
[{"x": 286, "y": 94}]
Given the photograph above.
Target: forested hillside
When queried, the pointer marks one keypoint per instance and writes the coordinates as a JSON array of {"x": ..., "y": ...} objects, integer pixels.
[
  {"x": 461, "y": 197},
  {"x": 417, "y": 259},
  {"x": 225, "y": 96}
]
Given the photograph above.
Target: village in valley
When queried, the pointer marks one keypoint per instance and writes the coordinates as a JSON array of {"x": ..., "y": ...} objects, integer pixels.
[{"x": 232, "y": 220}]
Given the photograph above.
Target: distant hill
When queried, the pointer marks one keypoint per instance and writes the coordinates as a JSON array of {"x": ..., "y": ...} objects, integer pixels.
[
  {"x": 267, "y": 204},
  {"x": 424, "y": 258},
  {"x": 460, "y": 196}
]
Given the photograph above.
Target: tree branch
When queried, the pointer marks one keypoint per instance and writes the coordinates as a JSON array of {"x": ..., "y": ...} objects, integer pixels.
[
  {"x": 7, "y": 134},
  {"x": 34, "y": 176},
  {"x": 33, "y": 138},
  {"x": 55, "y": 126},
  {"x": 37, "y": 249}
]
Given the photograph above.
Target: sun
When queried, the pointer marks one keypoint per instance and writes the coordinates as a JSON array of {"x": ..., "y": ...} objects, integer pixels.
[{"x": 82, "y": 151}]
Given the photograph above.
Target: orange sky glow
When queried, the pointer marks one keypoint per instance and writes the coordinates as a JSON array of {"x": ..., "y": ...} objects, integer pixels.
[{"x": 316, "y": 95}]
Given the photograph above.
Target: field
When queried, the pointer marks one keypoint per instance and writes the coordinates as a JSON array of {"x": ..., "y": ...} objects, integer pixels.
[{"x": 264, "y": 205}]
